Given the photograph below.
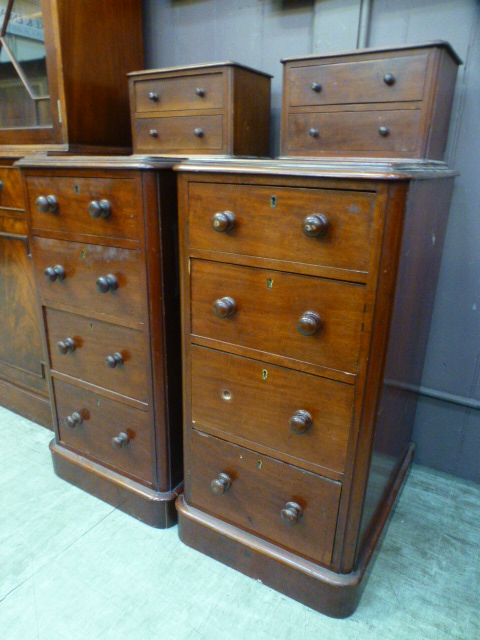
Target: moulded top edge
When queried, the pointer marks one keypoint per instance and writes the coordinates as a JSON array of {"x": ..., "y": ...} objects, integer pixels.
[
  {"x": 365, "y": 168},
  {"x": 403, "y": 47},
  {"x": 192, "y": 67},
  {"x": 38, "y": 161}
]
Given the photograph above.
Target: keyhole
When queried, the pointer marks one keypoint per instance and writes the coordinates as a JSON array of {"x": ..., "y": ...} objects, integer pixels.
[
  {"x": 269, "y": 283},
  {"x": 273, "y": 202},
  {"x": 226, "y": 395},
  {"x": 264, "y": 374},
  {"x": 77, "y": 190}
]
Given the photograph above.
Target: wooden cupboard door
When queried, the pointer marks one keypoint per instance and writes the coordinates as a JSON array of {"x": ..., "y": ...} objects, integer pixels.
[
  {"x": 257, "y": 492},
  {"x": 100, "y": 353},
  {"x": 313, "y": 320},
  {"x": 89, "y": 422},
  {"x": 300, "y": 418},
  {"x": 82, "y": 265}
]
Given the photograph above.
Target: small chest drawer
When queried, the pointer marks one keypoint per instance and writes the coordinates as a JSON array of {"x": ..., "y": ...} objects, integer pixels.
[
  {"x": 90, "y": 276},
  {"x": 315, "y": 226},
  {"x": 382, "y": 80},
  {"x": 257, "y": 493},
  {"x": 107, "y": 355},
  {"x": 11, "y": 194},
  {"x": 310, "y": 319},
  {"x": 306, "y": 418},
  {"x": 198, "y": 91},
  {"x": 380, "y": 131},
  {"x": 91, "y": 206},
  {"x": 180, "y": 133},
  {"x": 93, "y": 425}
]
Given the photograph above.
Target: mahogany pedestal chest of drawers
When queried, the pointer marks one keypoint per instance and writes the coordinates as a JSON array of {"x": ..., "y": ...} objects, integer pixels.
[
  {"x": 307, "y": 291},
  {"x": 389, "y": 102},
  {"x": 104, "y": 237},
  {"x": 219, "y": 108}
]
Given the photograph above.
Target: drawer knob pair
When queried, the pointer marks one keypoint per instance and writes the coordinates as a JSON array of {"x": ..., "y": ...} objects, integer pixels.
[
  {"x": 223, "y": 221},
  {"x": 221, "y": 484},
  {"x": 224, "y": 307},
  {"x": 67, "y": 345},
  {"x": 315, "y": 225},
  {"x": 46, "y": 204},
  {"x": 100, "y": 208},
  {"x": 309, "y": 323},
  {"x": 300, "y": 422},
  {"x": 114, "y": 361},
  {"x": 74, "y": 420},
  {"x": 54, "y": 273},
  {"x": 107, "y": 283},
  {"x": 120, "y": 441},
  {"x": 291, "y": 514}
]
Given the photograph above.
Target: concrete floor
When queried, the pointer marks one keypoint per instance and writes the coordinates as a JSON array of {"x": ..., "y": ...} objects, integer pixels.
[{"x": 72, "y": 567}]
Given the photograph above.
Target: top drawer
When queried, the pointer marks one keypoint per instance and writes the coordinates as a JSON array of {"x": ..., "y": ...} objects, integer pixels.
[
  {"x": 199, "y": 91},
  {"x": 273, "y": 222},
  {"x": 382, "y": 80},
  {"x": 105, "y": 207}
]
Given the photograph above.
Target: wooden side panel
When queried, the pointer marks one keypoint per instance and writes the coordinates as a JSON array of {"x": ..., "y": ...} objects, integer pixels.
[{"x": 251, "y": 113}]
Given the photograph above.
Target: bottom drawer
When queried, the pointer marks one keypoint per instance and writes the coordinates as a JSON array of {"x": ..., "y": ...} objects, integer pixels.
[
  {"x": 257, "y": 493},
  {"x": 102, "y": 420},
  {"x": 178, "y": 134}
]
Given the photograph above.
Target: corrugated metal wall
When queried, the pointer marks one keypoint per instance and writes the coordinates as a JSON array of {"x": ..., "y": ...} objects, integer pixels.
[{"x": 259, "y": 33}]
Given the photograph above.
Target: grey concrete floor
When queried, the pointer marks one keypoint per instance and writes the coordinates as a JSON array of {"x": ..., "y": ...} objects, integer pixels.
[{"x": 72, "y": 567}]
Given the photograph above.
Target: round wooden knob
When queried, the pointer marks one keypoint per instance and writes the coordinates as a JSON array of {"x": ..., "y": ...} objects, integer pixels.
[
  {"x": 313, "y": 133},
  {"x": 72, "y": 421},
  {"x": 153, "y": 96},
  {"x": 315, "y": 225},
  {"x": 198, "y": 132},
  {"x": 153, "y": 133},
  {"x": 115, "y": 360},
  {"x": 221, "y": 484},
  {"x": 384, "y": 131},
  {"x": 54, "y": 273},
  {"x": 389, "y": 79},
  {"x": 223, "y": 221},
  {"x": 291, "y": 513},
  {"x": 200, "y": 92},
  {"x": 317, "y": 87},
  {"x": 224, "y": 307},
  {"x": 120, "y": 441},
  {"x": 107, "y": 283},
  {"x": 46, "y": 204},
  {"x": 309, "y": 323},
  {"x": 97, "y": 208},
  {"x": 300, "y": 422},
  {"x": 66, "y": 346}
]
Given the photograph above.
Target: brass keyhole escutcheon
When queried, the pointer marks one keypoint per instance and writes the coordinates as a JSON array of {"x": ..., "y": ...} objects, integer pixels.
[
  {"x": 269, "y": 283},
  {"x": 264, "y": 374},
  {"x": 226, "y": 395},
  {"x": 273, "y": 202}
]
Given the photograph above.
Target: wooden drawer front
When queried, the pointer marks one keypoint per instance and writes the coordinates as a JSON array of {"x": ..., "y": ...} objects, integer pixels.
[
  {"x": 260, "y": 489},
  {"x": 248, "y": 399},
  {"x": 269, "y": 223},
  {"x": 94, "y": 342},
  {"x": 103, "y": 419},
  {"x": 358, "y": 82},
  {"x": 355, "y": 131},
  {"x": 202, "y": 91},
  {"x": 11, "y": 194},
  {"x": 268, "y": 306},
  {"x": 178, "y": 134},
  {"x": 74, "y": 196},
  {"x": 83, "y": 264}
]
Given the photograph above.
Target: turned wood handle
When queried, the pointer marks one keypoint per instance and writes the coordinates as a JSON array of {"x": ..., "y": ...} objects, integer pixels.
[
  {"x": 153, "y": 96},
  {"x": 113, "y": 361},
  {"x": 120, "y": 441},
  {"x": 300, "y": 422},
  {"x": 313, "y": 133},
  {"x": 46, "y": 204},
  {"x": 198, "y": 132},
  {"x": 72, "y": 421},
  {"x": 221, "y": 484},
  {"x": 317, "y": 87},
  {"x": 309, "y": 323},
  {"x": 223, "y": 221},
  {"x": 384, "y": 131},
  {"x": 315, "y": 225},
  {"x": 389, "y": 79},
  {"x": 291, "y": 513},
  {"x": 97, "y": 208},
  {"x": 67, "y": 345},
  {"x": 224, "y": 307},
  {"x": 107, "y": 283},
  {"x": 54, "y": 273},
  {"x": 200, "y": 92}
]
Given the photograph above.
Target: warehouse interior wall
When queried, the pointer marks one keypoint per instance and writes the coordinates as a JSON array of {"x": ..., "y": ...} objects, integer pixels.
[{"x": 259, "y": 33}]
